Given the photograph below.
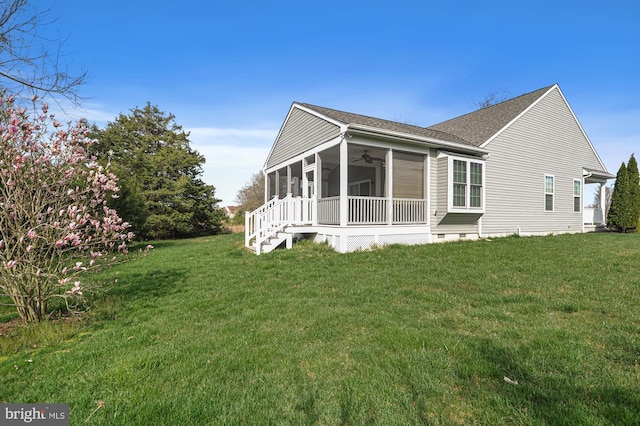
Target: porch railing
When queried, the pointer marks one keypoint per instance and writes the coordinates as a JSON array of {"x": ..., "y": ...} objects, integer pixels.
[
  {"x": 271, "y": 218},
  {"x": 367, "y": 210},
  {"x": 592, "y": 216},
  {"x": 373, "y": 211},
  {"x": 329, "y": 211},
  {"x": 410, "y": 210}
]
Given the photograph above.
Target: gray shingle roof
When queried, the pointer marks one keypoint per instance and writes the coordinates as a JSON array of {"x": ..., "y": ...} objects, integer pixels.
[
  {"x": 478, "y": 126},
  {"x": 378, "y": 123},
  {"x": 472, "y": 129}
]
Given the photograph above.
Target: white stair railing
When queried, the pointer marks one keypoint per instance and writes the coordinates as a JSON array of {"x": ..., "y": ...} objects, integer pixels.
[{"x": 273, "y": 217}]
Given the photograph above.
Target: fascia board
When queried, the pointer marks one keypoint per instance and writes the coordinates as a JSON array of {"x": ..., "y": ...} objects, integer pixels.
[
  {"x": 326, "y": 145},
  {"x": 343, "y": 126},
  {"x": 284, "y": 123},
  {"x": 604, "y": 168}
]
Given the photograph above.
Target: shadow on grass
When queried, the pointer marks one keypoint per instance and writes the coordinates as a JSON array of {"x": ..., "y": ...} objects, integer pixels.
[
  {"x": 149, "y": 284},
  {"x": 558, "y": 396},
  {"x": 135, "y": 289}
]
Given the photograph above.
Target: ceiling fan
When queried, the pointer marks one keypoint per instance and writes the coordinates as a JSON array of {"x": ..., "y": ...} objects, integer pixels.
[{"x": 367, "y": 158}]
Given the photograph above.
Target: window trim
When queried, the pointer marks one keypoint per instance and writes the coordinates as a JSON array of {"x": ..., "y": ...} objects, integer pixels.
[
  {"x": 451, "y": 208},
  {"x": 579, "y": 196},
  {"x": 552, "y": 193}
]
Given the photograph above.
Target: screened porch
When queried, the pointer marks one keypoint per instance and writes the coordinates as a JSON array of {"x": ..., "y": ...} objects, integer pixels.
[{"x": 370, "y": 186}]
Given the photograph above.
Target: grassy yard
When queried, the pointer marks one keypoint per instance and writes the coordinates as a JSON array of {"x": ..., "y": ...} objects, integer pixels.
[{"x": 202, "y": 332}]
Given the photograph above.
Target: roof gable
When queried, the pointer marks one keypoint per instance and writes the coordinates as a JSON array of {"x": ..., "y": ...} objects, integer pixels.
[
  {"x": 301, "y": 131},
  {"x": 479, "y": 126}
]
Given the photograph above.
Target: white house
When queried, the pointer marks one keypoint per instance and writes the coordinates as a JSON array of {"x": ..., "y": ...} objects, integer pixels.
[{"x": 517, "y": 167}]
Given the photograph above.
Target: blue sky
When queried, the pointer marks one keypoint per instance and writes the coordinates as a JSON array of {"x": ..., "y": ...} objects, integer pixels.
[{"x": 229, "y": 71}]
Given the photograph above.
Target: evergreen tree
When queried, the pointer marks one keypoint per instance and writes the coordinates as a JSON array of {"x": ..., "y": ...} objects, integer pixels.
[
  {"x": 163, "y": 195},
  {"x": 620, "y": 217},
  {"x": 634, "y": 189}
]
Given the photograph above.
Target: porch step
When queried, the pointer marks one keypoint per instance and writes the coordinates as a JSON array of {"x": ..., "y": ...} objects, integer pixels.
[{"x": 272, "y": 243}]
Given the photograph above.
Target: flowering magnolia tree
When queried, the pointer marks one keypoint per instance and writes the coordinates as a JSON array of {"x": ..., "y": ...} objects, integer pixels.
[{"x": 54, "y": 221}]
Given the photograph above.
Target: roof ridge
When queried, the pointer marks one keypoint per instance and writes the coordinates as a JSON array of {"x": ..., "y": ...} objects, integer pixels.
[
  {"x": 409, "y": 128},
  {"x": 359, "y": 115}
]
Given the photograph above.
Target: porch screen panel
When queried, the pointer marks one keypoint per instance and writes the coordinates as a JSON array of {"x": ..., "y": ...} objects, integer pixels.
[{"x": 408, "y": 175}]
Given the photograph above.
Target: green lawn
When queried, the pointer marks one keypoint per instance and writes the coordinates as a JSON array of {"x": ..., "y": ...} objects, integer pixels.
[{"x": 203, "y": 332}]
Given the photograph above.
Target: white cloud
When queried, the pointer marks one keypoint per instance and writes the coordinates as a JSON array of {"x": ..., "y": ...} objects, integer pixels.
[
  {"x": 232, "y": 156},
  {"x": 92, "y": 113}
]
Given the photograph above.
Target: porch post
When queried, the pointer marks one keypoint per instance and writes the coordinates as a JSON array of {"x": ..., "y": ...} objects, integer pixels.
[
  {"x": 277, "y": 192},
  {"x": 305, "y": 181},
  {"x": 289, "y": 191},
  {"x": 266, "y": 186},
  {"x": 427, "y": 188},
  {"x": 603, "y": 202},
  {"x": 344, "y": 183},
  {"x": 389, "y": 186},
  {"x": 318, "y": 183}
]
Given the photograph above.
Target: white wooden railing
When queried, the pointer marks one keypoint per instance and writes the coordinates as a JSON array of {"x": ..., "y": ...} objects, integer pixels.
[
  {"x": 367, "y": 210},
  {"x": 329, "y": 211},
  {"x": 592, "y": 216},
  {"x": 409, "y": 210},
  {"x": 373, "y": 211},
  {"x": 272, "y": 217}
]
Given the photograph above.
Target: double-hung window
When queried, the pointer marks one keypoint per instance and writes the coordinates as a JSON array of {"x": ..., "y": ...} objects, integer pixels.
[
  {"x": 459, "y": 183},
  {"x": 548, "y": 193},
  {"x": 577, "y": 196},
  {"x": 466, "y": 185}
]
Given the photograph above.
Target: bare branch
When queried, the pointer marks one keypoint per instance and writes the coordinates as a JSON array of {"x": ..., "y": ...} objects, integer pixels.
[{"x": 27, "y": 60}]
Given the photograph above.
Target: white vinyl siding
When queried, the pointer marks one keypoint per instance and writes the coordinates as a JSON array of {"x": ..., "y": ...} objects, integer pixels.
[
  {"x": 548, "y": 193},
  {"x": 301, "y": 132},
  {"x": 577, "y": 196},
  {"x": 545, "y": 140}
]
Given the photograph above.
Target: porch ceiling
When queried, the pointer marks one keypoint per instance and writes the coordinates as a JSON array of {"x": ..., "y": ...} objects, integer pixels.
[{"x": 331, "y": 157}]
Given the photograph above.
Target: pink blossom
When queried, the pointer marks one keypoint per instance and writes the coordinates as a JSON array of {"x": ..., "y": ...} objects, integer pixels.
[
  {"x": 149, "y": 247},
  {"x": 29, "y": 248},
  {"x": 31, "y": 234},
  {"x": 11, "y": 264},
  {"x": 76, "y": 288}
]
